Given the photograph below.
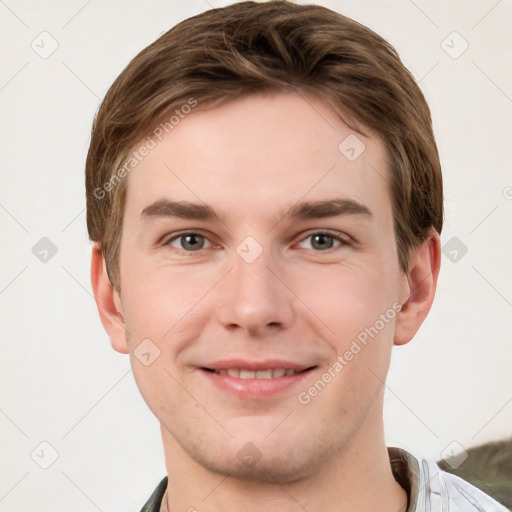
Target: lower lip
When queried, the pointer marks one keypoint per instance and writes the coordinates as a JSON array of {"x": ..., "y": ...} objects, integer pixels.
[{"x": 255, "y": 388}]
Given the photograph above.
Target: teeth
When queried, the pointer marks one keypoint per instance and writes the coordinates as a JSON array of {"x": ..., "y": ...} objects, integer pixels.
[{"x": 260, "y": 374}]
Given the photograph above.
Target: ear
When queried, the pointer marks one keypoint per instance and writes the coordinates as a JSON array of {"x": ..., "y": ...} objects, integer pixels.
[
  {"x": 422, "y": 282},
  {"x": 108, "y": 302}
]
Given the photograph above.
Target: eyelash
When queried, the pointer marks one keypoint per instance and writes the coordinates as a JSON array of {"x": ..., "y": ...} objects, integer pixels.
[{"x": 342, "y": 241}]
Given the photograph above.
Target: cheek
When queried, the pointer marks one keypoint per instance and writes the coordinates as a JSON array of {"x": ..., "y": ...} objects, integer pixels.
[
  {"x": 162, "y": 303},
  {"x": 345, "y": 296},
  {"x": 356, "y": 304}
]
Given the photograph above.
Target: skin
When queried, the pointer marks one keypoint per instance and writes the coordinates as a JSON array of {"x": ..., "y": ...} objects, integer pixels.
[{"x": 251, "y": 160}]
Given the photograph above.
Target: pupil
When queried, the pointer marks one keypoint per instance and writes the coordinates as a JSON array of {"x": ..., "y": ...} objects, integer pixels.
[
  {"x": 322, "y": 239},
  {"x": 192, "y": 245}
]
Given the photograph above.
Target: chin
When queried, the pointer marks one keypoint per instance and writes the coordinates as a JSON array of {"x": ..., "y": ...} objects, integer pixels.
[
  {"x": 285, "y": 460},
  {"x": 278, "y": 470}
]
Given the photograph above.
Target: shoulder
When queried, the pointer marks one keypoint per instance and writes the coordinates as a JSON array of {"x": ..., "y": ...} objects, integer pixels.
[
  {"x": 464, "y": 496},
  {"x": 431, "y": 489}
]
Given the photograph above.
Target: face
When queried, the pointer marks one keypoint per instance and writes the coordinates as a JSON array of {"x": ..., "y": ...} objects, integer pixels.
[{"x": 255, "y": 242}]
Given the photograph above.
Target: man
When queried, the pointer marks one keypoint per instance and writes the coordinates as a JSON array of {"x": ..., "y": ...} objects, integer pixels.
[{"x": 265, "y": 196}]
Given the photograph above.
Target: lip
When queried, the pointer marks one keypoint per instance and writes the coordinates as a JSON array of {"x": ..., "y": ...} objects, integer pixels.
[
  {"x": 256, "y": 388},
  {"x": 267, "y": 364}
]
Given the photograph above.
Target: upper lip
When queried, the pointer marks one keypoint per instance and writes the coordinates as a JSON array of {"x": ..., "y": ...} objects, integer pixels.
[{"x": 267, "y": 364}]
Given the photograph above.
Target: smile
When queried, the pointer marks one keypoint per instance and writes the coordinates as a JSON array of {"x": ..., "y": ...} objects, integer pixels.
[
  {"x": 271, "y": 373},
  {"x": 256, "y": 384}
]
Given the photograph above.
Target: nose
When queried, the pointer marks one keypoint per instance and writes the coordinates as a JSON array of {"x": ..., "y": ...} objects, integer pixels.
[{"x": 254, "y": 296}]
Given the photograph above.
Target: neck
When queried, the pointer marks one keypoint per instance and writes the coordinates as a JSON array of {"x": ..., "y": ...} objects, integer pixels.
[{"x": 355, "y": 478}]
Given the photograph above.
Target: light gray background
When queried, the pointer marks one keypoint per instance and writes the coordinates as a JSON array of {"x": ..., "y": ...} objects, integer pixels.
[{"x": 61, "y": 382}]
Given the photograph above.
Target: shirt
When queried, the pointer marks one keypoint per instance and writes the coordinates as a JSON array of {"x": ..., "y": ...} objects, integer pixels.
[{"x": 429, "y": 489}]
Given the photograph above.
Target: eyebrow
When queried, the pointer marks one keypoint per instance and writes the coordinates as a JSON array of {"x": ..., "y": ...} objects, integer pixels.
[{"x": 301, "y": 211}]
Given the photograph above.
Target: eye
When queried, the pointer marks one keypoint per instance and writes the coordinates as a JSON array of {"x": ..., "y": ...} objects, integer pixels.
[
  {"x": 324, "y": 241},
  {"x": 189, "y": 242}
]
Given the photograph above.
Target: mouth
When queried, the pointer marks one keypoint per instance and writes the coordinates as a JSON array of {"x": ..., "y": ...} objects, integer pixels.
[
  {"x": 256, "y": 381},
  {"x": 270, "y": 373}
]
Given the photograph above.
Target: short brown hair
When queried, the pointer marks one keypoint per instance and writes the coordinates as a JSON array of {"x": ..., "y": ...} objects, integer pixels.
[{"x": 252, "y": 48}]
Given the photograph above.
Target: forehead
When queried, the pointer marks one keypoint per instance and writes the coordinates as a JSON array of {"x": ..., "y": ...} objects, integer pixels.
[{"x": 259, "y": 153}]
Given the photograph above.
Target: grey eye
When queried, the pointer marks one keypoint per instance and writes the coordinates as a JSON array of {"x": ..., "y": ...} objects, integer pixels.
[
  {"x": 322, "y": 241},
  {"x": 189, "y": 241}
]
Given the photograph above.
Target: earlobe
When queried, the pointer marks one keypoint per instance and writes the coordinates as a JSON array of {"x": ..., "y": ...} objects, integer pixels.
[
  {"x": 422, "y": 282},
  {"x": 108, "y": 302}
]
